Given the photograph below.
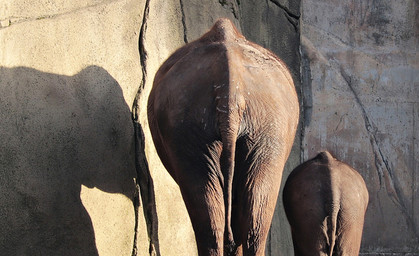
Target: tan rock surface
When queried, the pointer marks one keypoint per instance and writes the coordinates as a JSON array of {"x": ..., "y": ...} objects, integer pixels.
[{"x": 69, "y": 74}]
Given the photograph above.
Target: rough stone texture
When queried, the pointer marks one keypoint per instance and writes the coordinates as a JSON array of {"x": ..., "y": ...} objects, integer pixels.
[
  {"x": 170, "y": 232},
  {"x": 69, "y": 74},
  {"x": 360, "y": 92}
]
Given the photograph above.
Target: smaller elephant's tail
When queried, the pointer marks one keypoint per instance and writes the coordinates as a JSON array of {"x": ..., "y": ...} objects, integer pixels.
[{"x": 332, "y": 222}]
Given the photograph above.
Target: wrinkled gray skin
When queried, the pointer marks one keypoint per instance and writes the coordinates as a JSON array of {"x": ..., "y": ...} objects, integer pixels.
[
  {"x": 223, "y": 114},
  {"x": 325, "y": 201}
]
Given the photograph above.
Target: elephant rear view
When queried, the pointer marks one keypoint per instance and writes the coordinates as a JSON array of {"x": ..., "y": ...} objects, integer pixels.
[
  {"x": 223, "y": 113},
  {"x": 325, "y": 201}
]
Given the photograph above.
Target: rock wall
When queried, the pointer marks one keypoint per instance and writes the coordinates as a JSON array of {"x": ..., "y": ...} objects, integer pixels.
[
  {"x": 79, "y": 173},
  {"x": 360, "y": 98},
  {"x": 68, "y": 77}
]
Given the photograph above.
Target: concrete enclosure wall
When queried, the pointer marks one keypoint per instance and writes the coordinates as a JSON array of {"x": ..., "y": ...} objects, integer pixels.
[
  {"x": 360, "y": 98},
  {"x": 78, "y": 170}
]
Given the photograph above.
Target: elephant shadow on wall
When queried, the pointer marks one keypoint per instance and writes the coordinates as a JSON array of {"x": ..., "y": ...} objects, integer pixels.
[{"x": 58, "y": 133}]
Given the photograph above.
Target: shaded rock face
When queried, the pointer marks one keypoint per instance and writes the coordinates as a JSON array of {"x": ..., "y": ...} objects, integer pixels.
[{"x": 360, "y": 98}]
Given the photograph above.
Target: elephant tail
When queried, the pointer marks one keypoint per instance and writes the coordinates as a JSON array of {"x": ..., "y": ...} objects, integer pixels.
[
  {"x": 227, "y": 168},
  {"x": 230, "y": 106},
  {"x": 332, "y": 222},
  {"x": 229, "y": 124}
]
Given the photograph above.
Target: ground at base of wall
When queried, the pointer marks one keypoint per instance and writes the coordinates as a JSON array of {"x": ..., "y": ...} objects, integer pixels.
[{"x": 389, "y": 254}]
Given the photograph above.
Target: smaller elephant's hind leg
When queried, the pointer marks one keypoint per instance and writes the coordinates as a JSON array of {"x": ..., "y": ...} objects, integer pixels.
[
  {"x": 348, "y": 241},
  {"x": 311, "y": 238}
]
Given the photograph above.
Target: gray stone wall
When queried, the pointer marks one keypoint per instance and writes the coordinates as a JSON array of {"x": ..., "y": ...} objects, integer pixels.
[{"x": 360, "y": 97}]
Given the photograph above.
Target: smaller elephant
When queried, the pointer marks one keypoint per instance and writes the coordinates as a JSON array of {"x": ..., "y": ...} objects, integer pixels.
[{"x": 325, "y": 201}]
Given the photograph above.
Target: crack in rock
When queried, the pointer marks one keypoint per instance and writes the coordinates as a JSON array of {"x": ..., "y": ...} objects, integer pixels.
[
  {"x": 145, "y": 186},
  {"x": 287, "y": 11},
  {"x": 136, "y": 201},
  {"x": 232, "y": 5},
  {"x": 381, "y": 162},
  {"x": 185, "y": 34},
  {"x": 291, "y": 17},
  {"x": 144, "y": 180},
  {"x": 13, "y": 20}
]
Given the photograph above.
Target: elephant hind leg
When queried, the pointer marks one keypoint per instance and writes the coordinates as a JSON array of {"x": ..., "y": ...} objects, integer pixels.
[
  {"x": 206, "y": 211},
  {"x": 310, "y": 238},
  {"x": 202, "y": 193},
  {"x": 257, "y": 211},
  {"x": 257, "y": 182},
  {"x": 348, "y": 241},
  {"x": 309, "y": 221}
]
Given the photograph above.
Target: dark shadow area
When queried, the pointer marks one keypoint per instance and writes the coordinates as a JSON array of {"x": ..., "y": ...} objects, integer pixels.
[{"x": 58, "y": 133}]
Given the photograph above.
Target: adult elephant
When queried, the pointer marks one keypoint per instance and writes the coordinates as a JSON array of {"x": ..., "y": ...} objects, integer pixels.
[
  {"x": 223, "y": 114},
  {"x": 325, "y": 201}
]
